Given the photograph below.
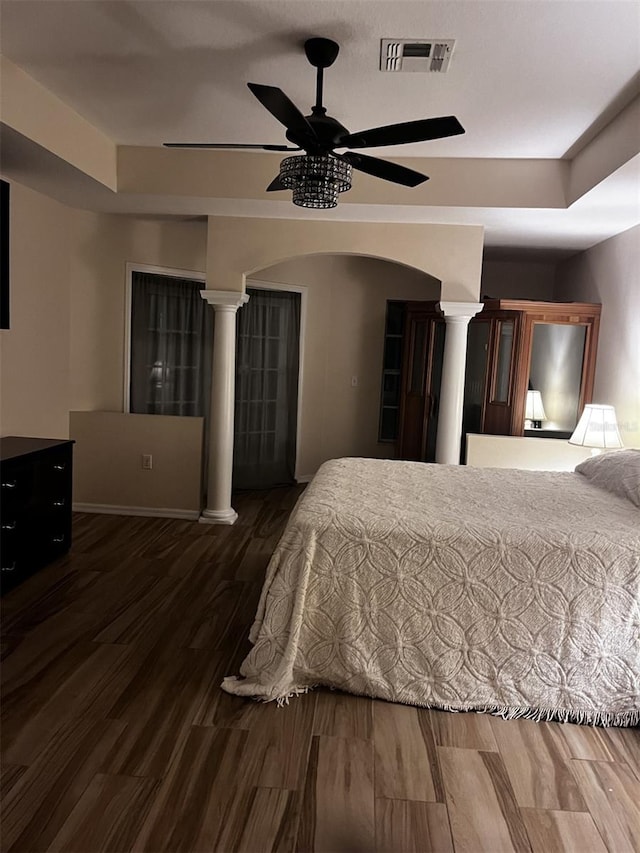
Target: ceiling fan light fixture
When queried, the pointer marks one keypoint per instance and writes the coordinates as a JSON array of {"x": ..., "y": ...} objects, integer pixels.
[{"x": 316, "y": 180}]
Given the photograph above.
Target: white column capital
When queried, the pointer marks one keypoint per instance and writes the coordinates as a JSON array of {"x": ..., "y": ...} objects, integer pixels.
[
  {"x": 225, "y": 300},
  {"x": 460, "y": 312}
]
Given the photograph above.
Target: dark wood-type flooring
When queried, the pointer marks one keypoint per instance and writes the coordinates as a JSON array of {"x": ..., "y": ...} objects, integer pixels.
[{"x": 117, "y": 737}]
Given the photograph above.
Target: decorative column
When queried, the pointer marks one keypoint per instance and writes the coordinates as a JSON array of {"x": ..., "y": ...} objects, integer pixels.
[
  {"x": 457, "y": 316},
  {"x": 223, "y": 383}
]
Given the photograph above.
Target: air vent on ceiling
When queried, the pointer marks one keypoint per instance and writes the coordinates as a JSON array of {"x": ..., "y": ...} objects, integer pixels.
[{"x": 416, "y": 54}]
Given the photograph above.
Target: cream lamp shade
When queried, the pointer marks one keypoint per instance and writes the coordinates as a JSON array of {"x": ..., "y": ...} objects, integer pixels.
[
  {"x": 534, "y": 410},
  {"x": 597, "y": 427}
]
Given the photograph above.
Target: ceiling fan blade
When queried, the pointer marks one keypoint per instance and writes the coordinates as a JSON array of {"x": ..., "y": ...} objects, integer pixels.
[
  {"x": 282, "y": 108},
  {"x": 408, "y": 131},
  {"x": 276, "y": 184},
  {"x": 384, "y": 169},
  {"x": 229, "y": 145}
]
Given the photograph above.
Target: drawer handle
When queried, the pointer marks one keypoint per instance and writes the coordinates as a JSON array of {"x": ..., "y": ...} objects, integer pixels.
[
  {"x": 58, "y": 503},
  {"x": 10, "y": 525},
  {"x": 58, "y": 539},
  {"x": 10, "y": 484},
  {"x": 9, "y": 568},
  {"x": 60, "y": 467}
]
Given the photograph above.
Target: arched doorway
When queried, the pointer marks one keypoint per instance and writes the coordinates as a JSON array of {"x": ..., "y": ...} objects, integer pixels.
[
  {"x": 342, "y": 335},
  {"x": 239, "y": 248}
]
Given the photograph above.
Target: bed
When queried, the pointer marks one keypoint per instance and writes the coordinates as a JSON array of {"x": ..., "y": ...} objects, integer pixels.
[{"x": 504, "y": 591}]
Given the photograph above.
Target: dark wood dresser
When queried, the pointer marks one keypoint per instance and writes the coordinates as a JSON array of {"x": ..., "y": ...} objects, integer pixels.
[{"x": 35, "y": 504}]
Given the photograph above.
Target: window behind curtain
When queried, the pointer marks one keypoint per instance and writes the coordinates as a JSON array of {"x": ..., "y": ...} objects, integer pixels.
[{"x": 171, "y": 345}]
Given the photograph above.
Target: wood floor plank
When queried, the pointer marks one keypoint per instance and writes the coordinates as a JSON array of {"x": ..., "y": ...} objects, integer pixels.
[
  {"x": 265, "y": 823},
  {"x": 219, "y": 617},
  {"x": 44, "y": 655},
  {"x": 138, "y": 617},
  {"x": 343, "y": 715},
  {"x": 159, "y": 706},
  {"x": 625, "y": 744},
  {"x": 9, "y": 775},
  {"x": 570, "y": 832},
  {"x": 596, "y": 744},
  {"x": 179, "y": 553},
  {"x": 218, "y": 708},
  {"x": 46, "y": 658},
  {"x": 483, "y": 813},
  {"x": 73, "y": 698},
  {"x": 464, "y": 731},
  {"x": 338, "y": 810},
  {"x": 115, "y": 536},
  {"x": 51, "y": 593},
  {"x": 405, "y": 759},
  {"x": 165, "y": 607},
  {"x": 112, "y": 593},
  {"x": 107, "y": 817},
  {"x": 537, "y": 761},
  {"x": 412, "y": 827},
  {"x": 278, "y": 745},
  {"x": 42, "y": 799},
  {"x": 255, "y": 559},
  {"x": 193, "y": 801},
  {"x": 612, "y": 794}
]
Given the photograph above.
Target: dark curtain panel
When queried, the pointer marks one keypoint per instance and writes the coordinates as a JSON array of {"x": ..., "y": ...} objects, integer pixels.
[
  {"x": 171, "y": 346},
  {"x": 266, "y": 408}
]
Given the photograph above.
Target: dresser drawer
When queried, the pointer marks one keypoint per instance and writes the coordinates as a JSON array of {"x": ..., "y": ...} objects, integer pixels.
[
  {"x": 17, "y": 486},
  {"x": 12, "y": 573},
  {"x": 36, "y": 499},
  {"x": 15, "y": 560}
]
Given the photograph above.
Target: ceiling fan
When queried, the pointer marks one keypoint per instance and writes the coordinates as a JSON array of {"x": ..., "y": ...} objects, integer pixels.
[{"x": 321, "y": 173}]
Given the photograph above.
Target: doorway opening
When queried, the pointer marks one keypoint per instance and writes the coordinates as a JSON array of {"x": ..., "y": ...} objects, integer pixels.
[{"x": 267, "y": 387}]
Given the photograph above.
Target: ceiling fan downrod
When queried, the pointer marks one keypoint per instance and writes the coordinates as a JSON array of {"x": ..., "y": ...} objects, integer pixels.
[{"x": 321, "y": 53}]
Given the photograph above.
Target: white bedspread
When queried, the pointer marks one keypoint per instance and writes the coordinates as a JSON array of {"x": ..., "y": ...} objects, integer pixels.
[{"x": 451, "y": 587}]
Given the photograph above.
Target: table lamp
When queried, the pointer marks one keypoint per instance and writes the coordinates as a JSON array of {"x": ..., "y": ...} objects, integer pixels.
[
  {"x": 597, "y": 428},
  {"x": 534, "y": 410}
]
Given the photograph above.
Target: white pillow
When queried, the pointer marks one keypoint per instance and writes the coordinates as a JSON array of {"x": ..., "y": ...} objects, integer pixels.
[{"x": 617, "y": 471}]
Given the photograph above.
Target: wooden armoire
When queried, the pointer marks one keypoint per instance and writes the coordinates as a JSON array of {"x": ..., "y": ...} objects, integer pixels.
[{"x": 513, "y": 346}]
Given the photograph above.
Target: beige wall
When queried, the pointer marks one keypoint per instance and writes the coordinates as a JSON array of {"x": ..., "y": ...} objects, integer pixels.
[
  {"x": 616, "y": 144},
  {"x": 108, "y": 461},
  {"x": 109, "y": 444},
  {"x": 346, "y": 304},
  {"x": 454, "y": 181},
  {"x": 504, "y": 279},
  {"x": 103, "y": 244},
  {"x": 34, "y": 352},
  {"x": 451, "y": 253},
  {"x": 38, "y": 114},
  {"x": 609, "y": 273},
  {"x": 65, "y": 348}
]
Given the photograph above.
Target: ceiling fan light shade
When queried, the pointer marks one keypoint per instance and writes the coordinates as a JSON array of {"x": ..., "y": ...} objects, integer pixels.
[{"x": 316, "y": 180}]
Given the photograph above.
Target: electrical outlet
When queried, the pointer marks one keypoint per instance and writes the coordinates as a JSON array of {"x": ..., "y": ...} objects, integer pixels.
[
  {"x": 147, "y": 461},
  {"x": 354, "y": 381}
]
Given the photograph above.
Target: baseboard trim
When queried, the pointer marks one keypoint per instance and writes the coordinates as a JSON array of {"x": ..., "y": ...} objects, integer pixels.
[
  {"x": 150, "y": 511},
  {"x": 304, "y": 478}
]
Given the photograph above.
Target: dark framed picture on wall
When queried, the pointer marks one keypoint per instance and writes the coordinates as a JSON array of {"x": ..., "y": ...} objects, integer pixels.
[{"x": 4, "y": 255}]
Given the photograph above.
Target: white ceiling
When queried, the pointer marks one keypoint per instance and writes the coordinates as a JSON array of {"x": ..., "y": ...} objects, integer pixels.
[{"x": 528, "y": 79}]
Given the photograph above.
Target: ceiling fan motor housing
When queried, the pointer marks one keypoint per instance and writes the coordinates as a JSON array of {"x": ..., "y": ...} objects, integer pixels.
[{"x": 328, "y": 132}]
